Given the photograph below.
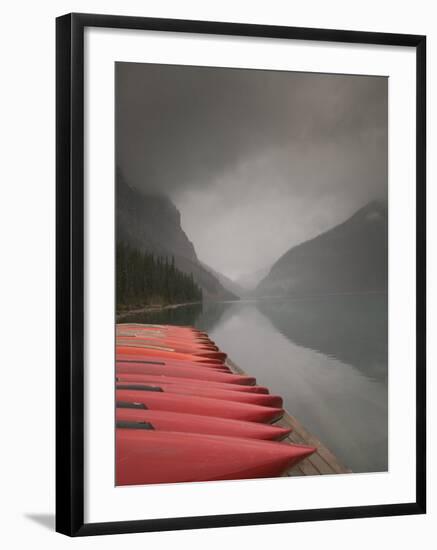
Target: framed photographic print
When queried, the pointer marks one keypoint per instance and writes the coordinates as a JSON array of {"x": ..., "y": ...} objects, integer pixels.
[{"x": 240, "y": 274}]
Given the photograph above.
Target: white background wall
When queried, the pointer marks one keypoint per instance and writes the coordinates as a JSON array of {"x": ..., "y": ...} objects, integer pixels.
[{"x": 27, "y": 124}]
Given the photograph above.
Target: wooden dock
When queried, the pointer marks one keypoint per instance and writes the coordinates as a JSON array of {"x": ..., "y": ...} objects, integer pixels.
[{"x": 319, "y": 463}]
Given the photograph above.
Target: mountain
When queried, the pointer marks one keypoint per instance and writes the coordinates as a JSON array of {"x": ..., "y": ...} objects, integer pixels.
[
  {"x": 249, "y": 281},
  {"x": 226, "y": 282},
  {"x": 152, "y": 223},
  {"x": 350, "y": 257}
]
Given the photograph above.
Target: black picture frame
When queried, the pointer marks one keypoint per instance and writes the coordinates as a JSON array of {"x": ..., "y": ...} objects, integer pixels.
[{"x": 70, "y": 273}]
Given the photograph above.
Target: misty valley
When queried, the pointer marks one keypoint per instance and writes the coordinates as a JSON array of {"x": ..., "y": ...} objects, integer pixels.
[{"x": 152, "y": 246}]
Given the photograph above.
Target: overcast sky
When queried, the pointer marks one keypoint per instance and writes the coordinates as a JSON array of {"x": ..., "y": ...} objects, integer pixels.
[{"x": 256, "y": 161}]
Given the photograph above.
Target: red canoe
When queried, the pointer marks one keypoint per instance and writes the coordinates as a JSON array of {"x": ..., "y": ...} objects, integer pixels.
[
  {"x": 194, "y": 423},
  {"x": 139, "y": 352},
  {"x": 183, "y": 372},
  {"x": 146, "y": 335},
  {"x": 190, "y": 337},
  {"x": 176, "y": 364},
  {"x": 145, "y": 456},
  {"x": 172, "y": 362},
  {"x": 198, "y": 342},
  {"x": 187, "y": 349},
  {"x": 213, "y": 393},
  {"x": 138, "y": 348},
  {"x": 188, "y": 332},
  {"x": 193, "y": 404},
  {"x": 178, "y": 331},
  {"x": 153, "y": 378},
  {"x": 168, "y": 341}
]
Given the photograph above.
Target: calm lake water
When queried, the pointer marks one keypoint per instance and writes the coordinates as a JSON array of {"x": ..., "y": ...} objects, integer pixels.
[{"x": 326, "y": 356}]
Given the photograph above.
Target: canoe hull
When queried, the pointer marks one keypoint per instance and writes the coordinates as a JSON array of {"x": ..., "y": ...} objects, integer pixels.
[
  {"x": 191, "y": 423},
  {"x": 144, "y": 378},
  {"x": 183, "y": 372},
  {"x": 150, "y": 457}
]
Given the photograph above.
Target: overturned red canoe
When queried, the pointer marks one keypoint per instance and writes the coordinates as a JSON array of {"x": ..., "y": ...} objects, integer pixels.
[
  {"x": 155, "y": 333},
  {"x": 202, "y": 341},
  {"x": 186, "y": 349},
  {"x": 176, "y": 364},
  {"x": 142, "y": 378},
  {"x": 167, "y": 341},
  {"x": 138, "y": 351},
  {"x": 213, "y": 393},
  {"x": 182, "y": 331},
  {"x": 146, "y": 456},
  {"x": 193, "y": 404},
  {"x": 171, "y": 362},
  {"x": 166, "y": 337},
  {"x": 193, "y": 423},
  {"x": 183, "y": 372},
  {"x": 167, "y": 351}
]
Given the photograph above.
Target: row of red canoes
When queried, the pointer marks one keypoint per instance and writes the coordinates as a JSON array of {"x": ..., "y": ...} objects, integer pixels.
[{"x": 182, "y": 415}]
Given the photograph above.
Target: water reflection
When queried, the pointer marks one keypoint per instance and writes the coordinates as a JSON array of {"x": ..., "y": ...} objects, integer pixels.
[{"x": 351, "y": 328}]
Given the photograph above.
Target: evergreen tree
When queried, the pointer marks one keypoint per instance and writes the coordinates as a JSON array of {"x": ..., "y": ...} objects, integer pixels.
[{"x": 144, "y": 279}]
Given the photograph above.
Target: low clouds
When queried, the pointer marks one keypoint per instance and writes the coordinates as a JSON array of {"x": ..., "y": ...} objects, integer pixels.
[{"x": 256, "y": 161}]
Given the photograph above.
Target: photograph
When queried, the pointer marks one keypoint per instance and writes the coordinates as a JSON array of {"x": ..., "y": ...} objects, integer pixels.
[{"x": 251, "y": 269}]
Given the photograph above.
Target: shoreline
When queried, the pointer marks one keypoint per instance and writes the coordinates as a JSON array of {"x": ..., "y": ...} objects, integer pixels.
[{"x": 149, "y": 309}]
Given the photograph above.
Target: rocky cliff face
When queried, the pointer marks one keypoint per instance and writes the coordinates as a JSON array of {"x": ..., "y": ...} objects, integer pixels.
[
  {"x": 153, "y": 223},
  {"x": 351, "y": 257}
]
